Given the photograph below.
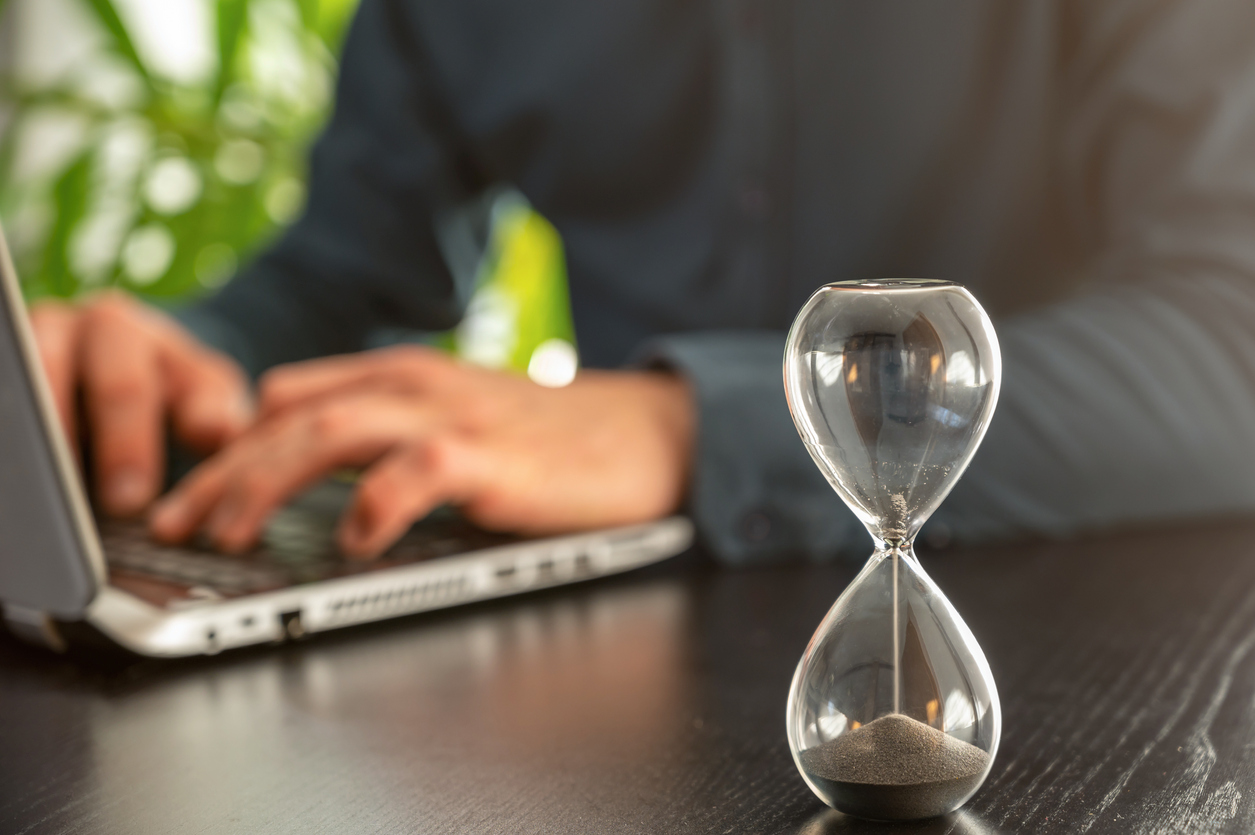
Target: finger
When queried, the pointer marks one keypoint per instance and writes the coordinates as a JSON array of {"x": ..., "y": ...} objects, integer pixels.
[
  {"x": 404, "y": 487},
  {"x": 56, "y": 335},
  {"x": 181, "y": 512},
  {"x": 349, "y": 433},
  {"x": 210, "y": 398},
  {"x": 124, "y": 396},
  {"x": 233, "y": 494},
  {"x": 404, "y": 368}
]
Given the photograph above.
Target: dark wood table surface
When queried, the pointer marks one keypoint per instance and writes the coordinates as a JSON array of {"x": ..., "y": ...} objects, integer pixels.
[{"x": 654, "y": 703}]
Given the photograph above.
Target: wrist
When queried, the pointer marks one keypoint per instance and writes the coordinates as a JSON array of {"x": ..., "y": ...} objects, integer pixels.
[
  {"x": 674, "y": 411},
  {"x": 655, "y": 418}
]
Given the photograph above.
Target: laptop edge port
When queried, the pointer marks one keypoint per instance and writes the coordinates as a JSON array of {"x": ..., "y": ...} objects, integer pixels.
[{"x": 292, "y": 625}]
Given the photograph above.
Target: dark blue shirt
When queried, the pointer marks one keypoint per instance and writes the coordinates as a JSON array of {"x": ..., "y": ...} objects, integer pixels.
[{"x": 1087, "y": 170}]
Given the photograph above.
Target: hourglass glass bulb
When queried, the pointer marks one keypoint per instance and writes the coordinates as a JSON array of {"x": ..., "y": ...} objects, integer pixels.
[{"x": 893, "y": 713}]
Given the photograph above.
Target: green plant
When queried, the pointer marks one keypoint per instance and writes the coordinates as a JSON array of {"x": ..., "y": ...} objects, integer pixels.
[{"x": 170, "y": 184}]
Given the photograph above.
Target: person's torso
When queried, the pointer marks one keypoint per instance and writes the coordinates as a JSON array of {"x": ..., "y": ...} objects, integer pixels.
[{"x": 709, "y": 163}]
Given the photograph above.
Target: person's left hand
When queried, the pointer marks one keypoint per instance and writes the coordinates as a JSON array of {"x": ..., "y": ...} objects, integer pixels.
[{"x": 612, "y": 448}]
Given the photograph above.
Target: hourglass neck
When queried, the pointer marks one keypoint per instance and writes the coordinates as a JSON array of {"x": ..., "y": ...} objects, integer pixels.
[{"x": 888, "y": 547}]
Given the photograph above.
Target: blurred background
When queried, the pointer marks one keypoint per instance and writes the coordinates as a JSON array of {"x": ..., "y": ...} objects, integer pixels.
[{"x": 157, "y": 145}]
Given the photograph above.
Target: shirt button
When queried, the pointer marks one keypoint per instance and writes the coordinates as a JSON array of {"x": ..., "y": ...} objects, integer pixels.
[{"x": 755, "y": 526}]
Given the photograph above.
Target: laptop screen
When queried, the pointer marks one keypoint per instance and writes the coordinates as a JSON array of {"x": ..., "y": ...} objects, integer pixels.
[{"x": 49, "y": 555}]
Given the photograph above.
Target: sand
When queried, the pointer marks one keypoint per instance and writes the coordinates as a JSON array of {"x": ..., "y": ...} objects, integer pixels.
[{"x": 895, "y": 768}]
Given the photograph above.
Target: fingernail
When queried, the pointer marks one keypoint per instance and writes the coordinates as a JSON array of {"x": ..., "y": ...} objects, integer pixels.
[
  {"x": 233, "y": 545},
  {"x": 360, "y": 552},
  {"x": 212, "y": 416},
  {"x": 168, "y": 516},
  {"x": 223, "y": 528},
  {"x": 221, "y": 519},
  {"x": 242, "y": 409},
  {"x": 127, "y": 490},
  {"x": 354, "y": 535}
]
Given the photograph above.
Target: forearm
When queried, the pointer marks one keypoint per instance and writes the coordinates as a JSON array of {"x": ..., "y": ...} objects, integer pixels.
[
  {"x": 1122, "y": 407},
  {"x": 754, "y": 493},
  {"x": 1130, "y": 405}
]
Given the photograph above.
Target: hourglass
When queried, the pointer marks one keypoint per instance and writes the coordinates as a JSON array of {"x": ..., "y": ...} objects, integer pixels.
[{"x": 892, "y": 713}]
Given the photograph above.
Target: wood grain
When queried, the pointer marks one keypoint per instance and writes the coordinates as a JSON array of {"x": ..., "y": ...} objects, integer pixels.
[{"x": 654, "y": 703}]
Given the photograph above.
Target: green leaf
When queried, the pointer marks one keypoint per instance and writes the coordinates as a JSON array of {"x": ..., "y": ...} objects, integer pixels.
[
  {"x": 183, "y": 119},
  {"x": 232, "y": 22},
  {"x": 108, "y": 17},
  {"x": 65, "y": 99},
  {"x": 70, "y": 196},
  {"x": 309, "y": 14},
  {"x": 8, "y": 152},
  {"x": 333, "y": 18}
]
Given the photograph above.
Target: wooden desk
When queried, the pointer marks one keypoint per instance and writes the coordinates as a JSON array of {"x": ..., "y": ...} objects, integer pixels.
[{"x": 654, "y": 703}]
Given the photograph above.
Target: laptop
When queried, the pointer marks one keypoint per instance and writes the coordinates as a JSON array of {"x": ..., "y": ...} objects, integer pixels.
[{"x": 62, "y": 568}]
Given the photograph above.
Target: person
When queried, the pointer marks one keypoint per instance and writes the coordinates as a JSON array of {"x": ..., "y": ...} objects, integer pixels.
[{"x": 1088, "y": 170}]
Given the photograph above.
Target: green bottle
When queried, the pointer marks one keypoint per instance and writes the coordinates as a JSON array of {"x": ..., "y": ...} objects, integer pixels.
[{"x": 519, "y": 316}]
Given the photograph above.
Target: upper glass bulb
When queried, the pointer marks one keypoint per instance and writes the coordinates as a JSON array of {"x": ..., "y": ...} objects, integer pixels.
[{"x": 893, "y": 713}]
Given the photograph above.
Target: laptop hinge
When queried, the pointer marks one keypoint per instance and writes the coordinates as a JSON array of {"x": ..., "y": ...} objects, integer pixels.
[{"x": 34, "y": 627}]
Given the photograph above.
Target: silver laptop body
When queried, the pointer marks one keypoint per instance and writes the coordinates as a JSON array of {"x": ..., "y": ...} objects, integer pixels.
[{"x": 58, "y": 566}]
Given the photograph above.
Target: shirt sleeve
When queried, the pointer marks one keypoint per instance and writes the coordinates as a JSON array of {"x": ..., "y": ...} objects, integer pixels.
[
  {"x": 1131, "y": 405},
  {"x": 755, "y": 495},
  {"x": 1134, "y": 402},
  {"x": 1130, "y": 402},
  {"x": 366, "y": 252}
]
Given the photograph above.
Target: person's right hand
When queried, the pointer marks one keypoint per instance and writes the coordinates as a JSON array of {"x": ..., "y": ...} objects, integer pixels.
[{"x": 137, "y": 368}]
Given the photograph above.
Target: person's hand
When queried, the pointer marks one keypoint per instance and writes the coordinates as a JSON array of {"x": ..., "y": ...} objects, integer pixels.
[
  {"x": 137, "y": 369},
  {"x": 611, "y": 448}
]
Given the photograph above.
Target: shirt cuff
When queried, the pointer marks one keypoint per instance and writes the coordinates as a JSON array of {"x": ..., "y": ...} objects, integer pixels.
[{"x": 756, "y": 496}]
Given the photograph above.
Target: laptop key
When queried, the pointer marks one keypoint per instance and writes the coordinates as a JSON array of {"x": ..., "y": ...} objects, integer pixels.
[{"x": 129, "y": 549}]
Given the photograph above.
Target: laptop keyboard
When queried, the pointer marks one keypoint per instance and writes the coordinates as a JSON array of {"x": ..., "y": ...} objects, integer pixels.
[
  {"x": 297, "y": 547},
  {"x": 128, "y": 547}
]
